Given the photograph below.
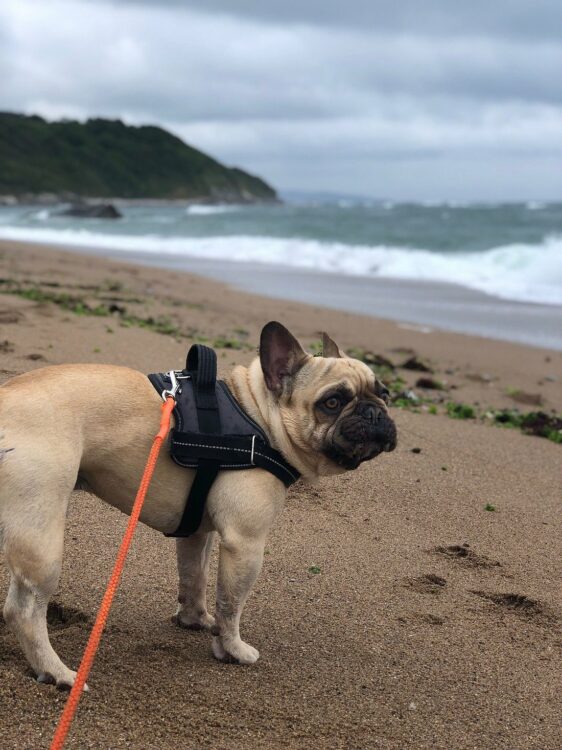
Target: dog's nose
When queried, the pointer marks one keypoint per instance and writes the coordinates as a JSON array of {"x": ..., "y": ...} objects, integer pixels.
[
  {"x": 381, "y": 428},
  {"x": 371, "y": 412}
]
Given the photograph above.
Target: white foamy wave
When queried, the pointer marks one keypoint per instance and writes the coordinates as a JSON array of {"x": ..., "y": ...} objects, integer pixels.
[
  {"x": 202, "y": 210},
  {"x": 42, "y": 215},
  {"x": 530, "y": 273}
]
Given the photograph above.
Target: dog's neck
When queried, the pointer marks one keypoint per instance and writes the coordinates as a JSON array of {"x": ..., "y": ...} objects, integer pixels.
[{"x": 248, "y": 387}]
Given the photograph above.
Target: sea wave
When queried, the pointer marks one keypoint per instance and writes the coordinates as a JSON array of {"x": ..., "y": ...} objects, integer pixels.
[
  {"x": 522, "y": 272},
  {"x": 204, "y": 210}
]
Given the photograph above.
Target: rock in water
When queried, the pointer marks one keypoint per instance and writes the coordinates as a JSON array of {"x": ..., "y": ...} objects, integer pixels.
[{"x": 98, "y": 211}]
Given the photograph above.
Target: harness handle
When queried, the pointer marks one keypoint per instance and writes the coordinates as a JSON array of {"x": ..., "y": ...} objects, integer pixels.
[
  {"x": 202, "y": 366},
  {"x": 201, "y": 363}
]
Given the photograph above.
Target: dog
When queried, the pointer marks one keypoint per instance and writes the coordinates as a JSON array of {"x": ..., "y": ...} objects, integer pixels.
[{"x": 92, "y": 426}]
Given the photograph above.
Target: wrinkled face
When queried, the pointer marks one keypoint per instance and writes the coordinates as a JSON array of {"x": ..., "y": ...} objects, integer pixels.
[
  {"x": 332, "y": 407},
  {"x": 342, "y": 412}
]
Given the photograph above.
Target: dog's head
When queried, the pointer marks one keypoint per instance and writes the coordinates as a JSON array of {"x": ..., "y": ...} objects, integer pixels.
[{"x": 333, "y": 407}]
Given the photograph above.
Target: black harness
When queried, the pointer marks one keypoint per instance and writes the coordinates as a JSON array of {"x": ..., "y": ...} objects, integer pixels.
[{"x": 212, "y": 432}]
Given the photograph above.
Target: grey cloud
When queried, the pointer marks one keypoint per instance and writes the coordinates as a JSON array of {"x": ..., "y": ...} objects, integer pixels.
[
  {"x": 499, "y": 18},
  {"x": 140, "y": 62},
  {"x": 303, "y": 102}
]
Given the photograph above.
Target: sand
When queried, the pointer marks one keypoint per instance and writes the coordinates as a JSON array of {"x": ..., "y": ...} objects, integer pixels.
[{"x": 432, "y": 623}]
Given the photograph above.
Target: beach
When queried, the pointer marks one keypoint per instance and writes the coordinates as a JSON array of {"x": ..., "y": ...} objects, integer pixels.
[{"x": 414, "y": 603}]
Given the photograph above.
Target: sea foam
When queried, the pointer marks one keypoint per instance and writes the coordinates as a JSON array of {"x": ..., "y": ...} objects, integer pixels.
[
  {"x": 204, "y": 210},
  {"x": 523, "y": 272}
]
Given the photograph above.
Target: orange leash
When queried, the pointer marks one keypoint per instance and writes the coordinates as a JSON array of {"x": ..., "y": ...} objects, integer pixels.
[{"x": 95, "y": 636}]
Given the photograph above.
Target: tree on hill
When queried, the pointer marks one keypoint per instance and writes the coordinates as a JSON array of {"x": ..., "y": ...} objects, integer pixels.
[{"x": 106, "y": 158}]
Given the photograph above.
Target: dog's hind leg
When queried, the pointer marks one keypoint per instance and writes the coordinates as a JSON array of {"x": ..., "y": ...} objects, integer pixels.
[
  {"x": 193, "y": 555},
  {"x": 33, "y": 544}
]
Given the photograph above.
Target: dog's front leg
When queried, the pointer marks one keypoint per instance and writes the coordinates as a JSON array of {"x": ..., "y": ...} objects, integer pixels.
[
  {"x": 193, "y": 555},
  {"x": 239, "y": 565}
]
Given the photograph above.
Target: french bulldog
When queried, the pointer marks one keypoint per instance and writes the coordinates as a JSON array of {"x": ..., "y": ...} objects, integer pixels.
[{"x": 91, "y": 426}]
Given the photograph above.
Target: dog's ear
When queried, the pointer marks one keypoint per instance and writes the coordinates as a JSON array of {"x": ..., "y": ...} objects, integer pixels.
[
  {"x": 281, "y": 355},
  {"x": 330, "y": 348}
]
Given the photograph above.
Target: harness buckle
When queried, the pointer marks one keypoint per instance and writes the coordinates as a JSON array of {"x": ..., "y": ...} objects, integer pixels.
[
  {"x": 174, "y": 379},
  {"x": 253, "y": 449}
]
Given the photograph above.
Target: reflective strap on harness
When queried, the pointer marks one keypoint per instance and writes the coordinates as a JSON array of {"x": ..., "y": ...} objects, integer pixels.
[{"x": 232, "y": 452}]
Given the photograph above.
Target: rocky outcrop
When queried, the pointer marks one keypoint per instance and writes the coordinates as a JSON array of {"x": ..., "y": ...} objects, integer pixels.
[{"x": 91, "y": 211}]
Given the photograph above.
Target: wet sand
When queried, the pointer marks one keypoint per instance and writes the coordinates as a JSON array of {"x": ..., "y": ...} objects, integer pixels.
[
  {"x": 433, "y": 623},
  {"x": 442, "y": 306}
]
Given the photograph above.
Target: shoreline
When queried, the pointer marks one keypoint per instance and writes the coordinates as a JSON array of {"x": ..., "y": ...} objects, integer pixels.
[{"x": 434, "y": 305}]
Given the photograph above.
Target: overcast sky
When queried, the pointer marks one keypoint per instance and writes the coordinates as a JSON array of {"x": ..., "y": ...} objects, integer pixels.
[{"x": 406, "y": 99}]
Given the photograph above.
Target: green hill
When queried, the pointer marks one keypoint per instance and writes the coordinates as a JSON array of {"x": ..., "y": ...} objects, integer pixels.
[{"x": 106, "y": 158}]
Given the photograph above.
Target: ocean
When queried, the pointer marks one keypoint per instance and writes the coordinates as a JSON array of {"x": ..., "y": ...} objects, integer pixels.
[{"x": 509, "y": 252}]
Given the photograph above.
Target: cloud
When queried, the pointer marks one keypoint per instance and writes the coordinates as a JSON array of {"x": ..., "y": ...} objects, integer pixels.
[
  {"x": 320, "y": 102},
  {"x": 502, "y": 18}
]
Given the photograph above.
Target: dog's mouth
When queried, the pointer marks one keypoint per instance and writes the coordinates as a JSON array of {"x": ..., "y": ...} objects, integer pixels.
[
  {"x": 355, "y": 441},
  {"x": 351, "y": 459},
  {"x": 345, "y": 460}
]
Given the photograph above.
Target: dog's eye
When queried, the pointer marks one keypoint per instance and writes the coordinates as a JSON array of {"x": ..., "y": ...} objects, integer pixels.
[
  {"x": 381, "y": 391},
  {"x": 332, "y": 403}
]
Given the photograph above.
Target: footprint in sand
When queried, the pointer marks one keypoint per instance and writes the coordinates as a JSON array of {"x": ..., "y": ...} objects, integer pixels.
[
  {"x": 10, "y": 316},
  {"x": 466, "y": 556},
  {"x": 427, "y": 584},
  {"x": 518, "y": 604},
  {"x": 59, "y": 616},
  {"x": 421, "y": 617}
]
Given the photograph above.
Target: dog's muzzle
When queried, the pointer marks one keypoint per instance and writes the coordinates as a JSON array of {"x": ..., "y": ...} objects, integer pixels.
[{"x": 361, "y": 436}]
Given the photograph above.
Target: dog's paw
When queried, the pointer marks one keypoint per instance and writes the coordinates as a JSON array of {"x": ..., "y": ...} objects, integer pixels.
[
  {"x": 193, "y": 621},
  {"x": 63, "y": 682},
  {"x": 234, "y": 651}
]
